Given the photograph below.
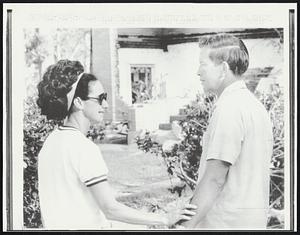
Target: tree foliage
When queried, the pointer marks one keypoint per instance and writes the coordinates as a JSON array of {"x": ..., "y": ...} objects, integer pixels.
[
  {"x": 36, "y": 129},
  {"x": 44, "y": 47}
]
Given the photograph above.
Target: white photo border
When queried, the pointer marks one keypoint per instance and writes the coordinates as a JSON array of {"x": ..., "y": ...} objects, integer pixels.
[{"x": 155, "y": 15}]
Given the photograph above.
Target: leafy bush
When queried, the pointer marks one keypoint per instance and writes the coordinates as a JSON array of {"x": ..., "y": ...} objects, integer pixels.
[
  {"x": 274, "y": 104},
  {"x": 36, "y": 129},
  {"x": 96, "y": 133},
  {"x": 183, "y": 159}
]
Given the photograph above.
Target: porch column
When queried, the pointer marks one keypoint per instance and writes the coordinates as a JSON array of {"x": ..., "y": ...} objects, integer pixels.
[{"x": 103, "y": 65}]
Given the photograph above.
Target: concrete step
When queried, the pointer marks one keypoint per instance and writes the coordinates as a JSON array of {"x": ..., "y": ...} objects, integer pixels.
[
  {"x": 165, "y": 126},
  {"x": 177, "y": 118},
  {"x": 182, "y": 111}
]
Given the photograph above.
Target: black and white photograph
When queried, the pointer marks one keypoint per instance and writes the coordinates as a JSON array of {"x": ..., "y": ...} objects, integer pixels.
[{"x": 156, "y": 117}]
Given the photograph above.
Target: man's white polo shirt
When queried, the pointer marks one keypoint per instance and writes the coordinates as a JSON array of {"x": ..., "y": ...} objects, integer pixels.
[
  {"x": 240, "y": 133},
  {"x": 68, "y": 164}
]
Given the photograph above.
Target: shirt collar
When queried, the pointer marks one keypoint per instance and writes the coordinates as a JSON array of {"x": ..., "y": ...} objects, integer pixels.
[{"x": 67, "y": 128}]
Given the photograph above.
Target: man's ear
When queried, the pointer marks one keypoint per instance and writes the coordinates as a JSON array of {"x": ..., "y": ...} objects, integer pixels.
[
  {"x": 225, "y": 67},
  {"x": 77, "y": 103}
]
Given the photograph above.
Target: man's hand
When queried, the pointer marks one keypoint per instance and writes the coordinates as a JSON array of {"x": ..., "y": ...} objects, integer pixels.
[{"x": 183, "y": 213}]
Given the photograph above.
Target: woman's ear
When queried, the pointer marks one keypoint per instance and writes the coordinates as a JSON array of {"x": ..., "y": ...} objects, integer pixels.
[{"x": 77, "y": 103}]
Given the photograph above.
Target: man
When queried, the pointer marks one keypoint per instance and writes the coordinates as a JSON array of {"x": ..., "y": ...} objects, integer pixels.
[{"x": 233, "y": 183}]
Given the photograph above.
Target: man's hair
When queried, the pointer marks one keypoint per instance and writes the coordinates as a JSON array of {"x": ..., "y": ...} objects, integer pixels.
[{"x": 228, "y": 48}]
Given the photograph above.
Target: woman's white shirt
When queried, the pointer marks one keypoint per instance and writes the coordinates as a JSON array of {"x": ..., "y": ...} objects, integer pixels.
[{"x": 68, "y": 164}]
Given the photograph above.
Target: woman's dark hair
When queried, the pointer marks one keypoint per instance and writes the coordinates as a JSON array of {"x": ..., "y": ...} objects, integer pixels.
[
  {"x": 55, "y": 85},
  {"x": 82, "y": 89}
]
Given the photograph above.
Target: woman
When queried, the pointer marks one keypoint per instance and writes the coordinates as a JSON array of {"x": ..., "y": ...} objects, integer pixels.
[{"x": 73, "y": 187}]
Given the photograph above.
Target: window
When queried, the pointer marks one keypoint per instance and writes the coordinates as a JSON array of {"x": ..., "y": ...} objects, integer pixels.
[{"x": 141, "y": 83}]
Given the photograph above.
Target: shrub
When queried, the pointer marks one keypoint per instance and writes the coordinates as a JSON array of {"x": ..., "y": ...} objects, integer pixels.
[
  {"x": 274, "y": 104},
  {"x": 96, "y": 133},
  {"x": 183, "y": 159},
  {"x": 36, "y": 129}
]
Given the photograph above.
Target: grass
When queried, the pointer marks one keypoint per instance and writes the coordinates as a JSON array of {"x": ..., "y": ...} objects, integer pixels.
[
  {"x": 131, "y": 168},
  {"x": 140, "y": 179}
]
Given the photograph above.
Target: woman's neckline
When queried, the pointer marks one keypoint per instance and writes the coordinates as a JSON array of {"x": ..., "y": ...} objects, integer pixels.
[{"x": 66, "y": 127}]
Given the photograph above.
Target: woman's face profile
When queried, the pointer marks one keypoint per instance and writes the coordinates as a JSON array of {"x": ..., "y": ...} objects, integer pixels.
[{"x": 93, "y": 111}]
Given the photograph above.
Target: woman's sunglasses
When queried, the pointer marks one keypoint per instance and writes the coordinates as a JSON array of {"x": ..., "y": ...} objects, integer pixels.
[{"x": 100, "y": 98}]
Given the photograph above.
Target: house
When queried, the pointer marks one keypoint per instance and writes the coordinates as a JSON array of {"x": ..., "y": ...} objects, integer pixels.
[{"x": 151, "y": 73}]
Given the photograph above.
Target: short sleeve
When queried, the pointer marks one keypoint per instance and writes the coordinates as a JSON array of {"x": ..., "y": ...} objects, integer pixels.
[
  {"x": 225, "y": 134},
  {"x": 91, "y": 167}
]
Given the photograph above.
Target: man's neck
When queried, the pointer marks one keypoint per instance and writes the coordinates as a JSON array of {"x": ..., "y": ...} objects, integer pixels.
[{"x": 227, "y": 82}]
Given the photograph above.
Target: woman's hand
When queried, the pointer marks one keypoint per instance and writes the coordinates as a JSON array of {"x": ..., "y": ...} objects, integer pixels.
[{"x": 181, "y": 214}]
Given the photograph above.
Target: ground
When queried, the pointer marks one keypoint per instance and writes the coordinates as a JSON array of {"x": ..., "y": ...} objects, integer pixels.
[{"x": 140, "y": 180}]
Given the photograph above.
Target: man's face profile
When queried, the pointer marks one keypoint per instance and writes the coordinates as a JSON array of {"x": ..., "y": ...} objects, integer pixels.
[{"x": 210, "y": 74}]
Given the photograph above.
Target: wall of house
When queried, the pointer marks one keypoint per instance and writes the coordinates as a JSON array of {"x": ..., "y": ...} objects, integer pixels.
[
  {"x": 158, "y": 110},
  {"x": 267, "y": 53},
  {"x": 177, "y": 68},
  {"x": 130, "y": 56},
  {"x": 181, "y": 65},
  {"x": 264, "y": 52}
]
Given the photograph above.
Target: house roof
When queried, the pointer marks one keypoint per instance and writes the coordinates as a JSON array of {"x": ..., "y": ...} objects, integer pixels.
[
  {"x": 172, "y": 31},
  {"x": 160, "y": 38}
]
